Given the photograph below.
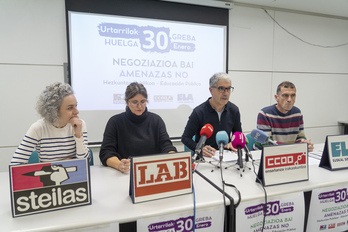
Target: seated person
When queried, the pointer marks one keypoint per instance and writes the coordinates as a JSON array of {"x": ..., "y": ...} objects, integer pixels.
[
  {"x": 60, "y": 134},
  {"x": 134, "y": 132},
  {"x": 218, "y": 111},
  {"x": 283, "y": 122}
]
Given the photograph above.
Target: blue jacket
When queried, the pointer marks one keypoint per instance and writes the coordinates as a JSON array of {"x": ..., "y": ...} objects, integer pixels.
[{"x": 203, "y": 114}]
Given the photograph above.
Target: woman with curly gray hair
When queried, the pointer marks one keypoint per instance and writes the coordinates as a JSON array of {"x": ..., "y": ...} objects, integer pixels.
[{"x": 60, "y": 134}]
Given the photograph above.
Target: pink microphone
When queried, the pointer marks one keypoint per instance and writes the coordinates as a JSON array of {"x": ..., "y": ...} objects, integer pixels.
[
  {"x": 238, "y": 139},
  {"x": 238, "y": 142}
]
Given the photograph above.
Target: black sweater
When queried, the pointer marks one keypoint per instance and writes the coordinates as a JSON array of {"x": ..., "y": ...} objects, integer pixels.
[
  {"x": 127, "y": 134},
  {"x": 203, "y": 114}
]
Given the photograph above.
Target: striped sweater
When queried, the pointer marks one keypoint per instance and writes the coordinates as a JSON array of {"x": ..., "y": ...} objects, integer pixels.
[
  {"x": 283, "y": 128},
  {"x": 51, "y": 143}
]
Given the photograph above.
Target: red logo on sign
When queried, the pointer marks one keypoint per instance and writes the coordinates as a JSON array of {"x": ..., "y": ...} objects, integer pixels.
[
  {"x": 162, "y": 176},
  {"x": 331, "y": 226},
  {"x": 285, "y": 160}
]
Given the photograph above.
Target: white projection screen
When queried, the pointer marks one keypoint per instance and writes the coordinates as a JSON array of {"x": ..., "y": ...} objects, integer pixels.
[{"x": 172, "y": 59}]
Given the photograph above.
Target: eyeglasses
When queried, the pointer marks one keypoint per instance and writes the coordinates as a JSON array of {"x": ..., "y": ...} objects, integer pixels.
[
  {"x": 222, "y": 89},
  {"x": 136, "y": 103}
]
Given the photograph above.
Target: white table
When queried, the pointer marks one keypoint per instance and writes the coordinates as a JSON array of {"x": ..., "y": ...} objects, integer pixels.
[
  {"x": 110, "y": 204},
  {"x": 250, "y": 190},
  {"x": 318, "y": 177}
]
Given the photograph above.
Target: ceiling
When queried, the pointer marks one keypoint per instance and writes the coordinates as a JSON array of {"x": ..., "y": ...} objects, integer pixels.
[{"x": 335, "y": 8}]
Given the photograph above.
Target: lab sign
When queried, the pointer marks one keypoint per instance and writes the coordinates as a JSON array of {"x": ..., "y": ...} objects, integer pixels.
[{"x": 159, "y": 176}]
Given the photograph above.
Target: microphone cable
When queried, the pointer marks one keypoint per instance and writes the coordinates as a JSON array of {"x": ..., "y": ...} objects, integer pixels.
[
  {"x": 223, "y": 196},
  {"x": 237, "y": 191},
  {"x": 264, "y": 190},
  {"x": 194, "y": 198},
  {"x": 194, "y": 208}
]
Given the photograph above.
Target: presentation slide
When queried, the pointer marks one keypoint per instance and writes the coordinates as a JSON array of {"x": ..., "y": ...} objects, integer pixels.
[{"x": 173, "y": 60}]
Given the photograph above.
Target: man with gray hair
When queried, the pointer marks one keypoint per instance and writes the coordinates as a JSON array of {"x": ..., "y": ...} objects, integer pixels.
[{"x": 218, "y": 111}]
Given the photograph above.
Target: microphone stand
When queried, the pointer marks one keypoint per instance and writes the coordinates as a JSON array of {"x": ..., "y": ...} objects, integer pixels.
[
  {"x": 247, "y": 156},
  {"x": 232, "y": 216},
  {"x": 242, "y": 169},
  {"x": 199, "y": 157}
]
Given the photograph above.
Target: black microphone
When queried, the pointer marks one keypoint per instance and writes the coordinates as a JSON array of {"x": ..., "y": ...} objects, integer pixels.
[
  {"x": 246, "y": 148},
  {"x": 206, "y": 132},
  {"x": 262, "y": 137}
]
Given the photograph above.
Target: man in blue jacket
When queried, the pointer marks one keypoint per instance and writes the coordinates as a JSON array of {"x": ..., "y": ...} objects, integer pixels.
[{"x": 218, "y": 111}]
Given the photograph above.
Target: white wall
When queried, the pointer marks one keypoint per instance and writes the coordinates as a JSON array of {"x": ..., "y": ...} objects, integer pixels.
[
  {"x": 262, "y": 54},
  {"x": 33, "y": 49}
]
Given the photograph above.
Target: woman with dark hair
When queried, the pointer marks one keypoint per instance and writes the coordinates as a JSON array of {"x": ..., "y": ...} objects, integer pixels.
[
  {"x": 134, "y": 132},
  {"x": 60, "y": 134}
]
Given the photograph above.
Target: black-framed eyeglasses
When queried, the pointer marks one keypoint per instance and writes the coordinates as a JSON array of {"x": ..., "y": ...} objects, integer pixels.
[
  {"x": 222, "y": 89},
  {"x": 136, "y": 103}
]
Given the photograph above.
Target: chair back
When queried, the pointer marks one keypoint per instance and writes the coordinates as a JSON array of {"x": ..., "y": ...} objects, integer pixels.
[
  {"x": 91, "y": 162},
  {"x": 188, "y": 149},
  {"x": 34, "y": 157}
]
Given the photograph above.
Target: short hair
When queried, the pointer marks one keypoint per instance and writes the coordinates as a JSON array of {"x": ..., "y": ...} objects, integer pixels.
[
  {"x": 51, "y": 99},
  {"x": 285, "y": 84},
  {"x": 133, "y": 89},
  {"x": 217, "y": 77}
]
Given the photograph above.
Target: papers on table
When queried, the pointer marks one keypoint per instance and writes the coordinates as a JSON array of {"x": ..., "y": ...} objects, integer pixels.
[{"x": 228, "y": 156}]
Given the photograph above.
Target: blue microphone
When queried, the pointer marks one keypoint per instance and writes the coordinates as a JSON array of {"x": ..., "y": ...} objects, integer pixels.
[
  {"x": 261, "y": 137},
  {"x": 221, "y": 140}
]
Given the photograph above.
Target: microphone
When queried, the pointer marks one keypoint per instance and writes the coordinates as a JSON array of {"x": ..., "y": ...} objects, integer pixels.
[
  {"x": 262, "y": 137},
  {"x": 206, "y": 132},
  {"x": 238, "y": 141},
  {"x": 246, "y": 148},
  {"x": 221, "y": 140}
]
